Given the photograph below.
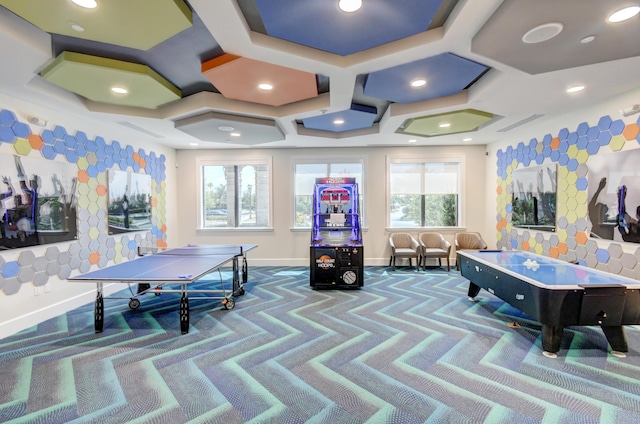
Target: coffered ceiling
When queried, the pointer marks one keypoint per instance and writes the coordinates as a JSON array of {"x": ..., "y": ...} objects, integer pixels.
[{"x": 292, "y": 73}]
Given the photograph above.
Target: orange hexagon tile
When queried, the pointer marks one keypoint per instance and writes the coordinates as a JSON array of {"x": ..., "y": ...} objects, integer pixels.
[
  {"x": 35, "y": 141},
  {"x": 101, "y": 190},
  {"x": 631, "y": 131},
  {"x": 581, "y": 237}
]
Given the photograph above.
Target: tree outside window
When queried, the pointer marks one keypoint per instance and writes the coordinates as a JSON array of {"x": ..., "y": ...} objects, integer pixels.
[
  {"x": 235, "y": 195},
  {"x": 424, "y": 194}
]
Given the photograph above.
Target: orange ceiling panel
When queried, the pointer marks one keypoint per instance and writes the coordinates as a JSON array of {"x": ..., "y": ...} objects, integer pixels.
[{"x": 238, "y": 78}]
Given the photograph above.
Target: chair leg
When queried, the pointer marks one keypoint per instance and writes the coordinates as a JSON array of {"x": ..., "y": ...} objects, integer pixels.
[
  {"x": 394, "y": 264},
  {"x": 448, "y": 266},
  {"x": 390, "y": 259}
]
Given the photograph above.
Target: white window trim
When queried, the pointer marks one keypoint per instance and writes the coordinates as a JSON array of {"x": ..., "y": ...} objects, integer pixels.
[
  {"x": 459, "y": 158},
  {"x": 324, "y": 160},
  {"x": 212, "y": 161}
]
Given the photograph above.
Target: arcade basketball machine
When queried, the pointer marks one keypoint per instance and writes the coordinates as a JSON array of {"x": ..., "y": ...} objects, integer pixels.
[{"x": 336, "y": 239}]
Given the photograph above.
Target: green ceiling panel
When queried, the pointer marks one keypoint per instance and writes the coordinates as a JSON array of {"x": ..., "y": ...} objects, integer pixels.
[
  {"x": 93, "y": 77},
  {"x": 459, "y": 121},
  {"x": 139, "y": 24}
]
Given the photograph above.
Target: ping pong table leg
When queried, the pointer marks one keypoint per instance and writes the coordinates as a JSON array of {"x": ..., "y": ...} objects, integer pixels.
[
  {"x": 238, "y": 290},
  {"x": 184, "y": 311},
  {"x": 245, "y": 270},
  {"x": 98, "y": 311}
]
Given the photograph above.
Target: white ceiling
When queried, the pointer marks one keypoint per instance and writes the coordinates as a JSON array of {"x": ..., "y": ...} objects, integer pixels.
[{"x": 505, "y": 91}]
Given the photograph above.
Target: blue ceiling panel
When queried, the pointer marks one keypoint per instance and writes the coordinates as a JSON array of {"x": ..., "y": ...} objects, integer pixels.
[
  {"x": 356, "y": 118},
  {"x": 322, "y": 25},
  {"x": 446, "y": 74}
]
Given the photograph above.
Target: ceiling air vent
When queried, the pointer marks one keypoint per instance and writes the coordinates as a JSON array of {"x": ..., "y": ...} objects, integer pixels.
[{"x": 521, "y": 122}]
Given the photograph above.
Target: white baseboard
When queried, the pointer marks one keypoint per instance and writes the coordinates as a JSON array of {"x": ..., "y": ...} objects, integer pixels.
[
  {"x": 35, "y": 317},
  {"x": 305, "y": 262}
]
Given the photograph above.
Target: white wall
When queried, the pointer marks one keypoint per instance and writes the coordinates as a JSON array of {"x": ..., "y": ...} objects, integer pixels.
[
  {"x": 285, "y": 246},
  {"x": 25, "y": 309}
]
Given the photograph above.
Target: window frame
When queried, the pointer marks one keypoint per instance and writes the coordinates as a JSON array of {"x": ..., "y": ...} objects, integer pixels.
[
  {"x": 329, "y": 160},
  {"x": 422, "y": 159},
  {"x": 234, "y": 161}
]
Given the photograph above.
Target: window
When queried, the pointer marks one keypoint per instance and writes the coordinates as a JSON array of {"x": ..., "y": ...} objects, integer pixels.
[
  {"x": 305, "y": 175},
  {"x": 424, "y": 194},
  {"x": 235, "y": 194}
]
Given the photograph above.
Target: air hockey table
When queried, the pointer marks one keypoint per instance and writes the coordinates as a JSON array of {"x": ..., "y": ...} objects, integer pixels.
[{"x": 556, "y": 293}]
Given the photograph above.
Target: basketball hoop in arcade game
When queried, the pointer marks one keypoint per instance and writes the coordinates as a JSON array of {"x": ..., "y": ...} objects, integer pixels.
[{"x": 335, "y": 198}]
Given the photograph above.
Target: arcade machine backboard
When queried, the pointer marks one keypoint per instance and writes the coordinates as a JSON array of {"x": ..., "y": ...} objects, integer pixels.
[{"x": 336, "y": 240}]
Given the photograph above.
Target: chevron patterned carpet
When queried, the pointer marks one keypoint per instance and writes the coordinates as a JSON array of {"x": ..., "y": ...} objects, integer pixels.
[{"x": 407, "y": 348}]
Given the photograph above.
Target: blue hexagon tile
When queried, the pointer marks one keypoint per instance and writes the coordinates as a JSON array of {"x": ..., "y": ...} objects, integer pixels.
[
  {"x": 93, "y": 157},
  {"x": 571, "y": 151}
]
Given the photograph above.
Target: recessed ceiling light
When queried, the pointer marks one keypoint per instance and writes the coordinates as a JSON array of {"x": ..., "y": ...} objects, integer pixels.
[
  {"x": 575, "y": 88},
  {"x": 445, "y": 125},
  {"x": 265, "y": 86},
  {"x": 193, "y": 144},
  {"x": 467, "y": 139},
  {"x": 542, "y": 33},
  {"x": 350, "y": 5},
  {"x": 235, "y": 134},
  {"x": 418, "y": 83},
  {"x": 225, "y": 128},
  {"x": 588, "y": 39},
  {"x": 339, "y": 121},
  {"x": 413, "y": 140},
  {"x": 624, "y": 14},
  {"x": 76, "y": 26},
  {"x": 119, "y": 90},
  {"x": 89, "y": 4}
]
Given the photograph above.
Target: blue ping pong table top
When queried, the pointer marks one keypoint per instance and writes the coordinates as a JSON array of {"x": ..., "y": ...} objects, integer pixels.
[
  {"x": 547, "y": 272},
  {"x": 181, "y": 265}
]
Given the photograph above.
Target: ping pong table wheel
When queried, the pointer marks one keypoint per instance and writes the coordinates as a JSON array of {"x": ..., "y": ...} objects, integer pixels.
[
  {"x": 134, "y": 303},
  {"x": 228, "y": 303},
  {"x": 241, "y": 291}
]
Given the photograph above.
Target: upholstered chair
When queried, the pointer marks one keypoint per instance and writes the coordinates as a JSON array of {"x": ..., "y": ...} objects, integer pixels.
[
  {"x": 433, "y": 245},
  {"x": 404, "y": 246},
  {"x": 468, "y": 241}
]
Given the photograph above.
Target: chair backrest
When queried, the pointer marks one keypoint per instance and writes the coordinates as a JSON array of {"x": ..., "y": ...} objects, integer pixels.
[
  {"x": 469, "y": 240},
  {"x": 401, "y": 240},
  {"x": 431, "y": 239}
]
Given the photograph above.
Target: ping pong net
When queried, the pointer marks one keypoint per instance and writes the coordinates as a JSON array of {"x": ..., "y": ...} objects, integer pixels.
[{"x": 194, "y": 250}]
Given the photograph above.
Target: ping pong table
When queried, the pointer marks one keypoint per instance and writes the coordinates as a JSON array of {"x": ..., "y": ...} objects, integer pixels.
[
  {"x": 179, "y": 266},
  {"x": 556, "y": 293}
]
